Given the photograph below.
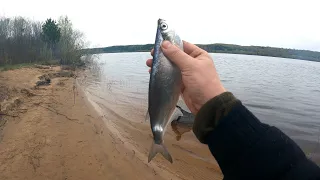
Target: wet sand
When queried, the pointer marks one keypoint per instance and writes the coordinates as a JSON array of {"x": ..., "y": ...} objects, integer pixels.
[{"x": 47, "y": 134}]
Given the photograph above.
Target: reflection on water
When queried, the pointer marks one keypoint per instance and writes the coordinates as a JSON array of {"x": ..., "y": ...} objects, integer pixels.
[{"x": 281, "y": 92}]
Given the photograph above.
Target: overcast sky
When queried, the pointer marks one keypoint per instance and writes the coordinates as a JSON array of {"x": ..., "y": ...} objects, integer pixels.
[{"x": 279, "y": 23}]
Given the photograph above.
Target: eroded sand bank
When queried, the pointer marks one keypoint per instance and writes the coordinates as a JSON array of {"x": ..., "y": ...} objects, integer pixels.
[{"x": 47, "y": 134}]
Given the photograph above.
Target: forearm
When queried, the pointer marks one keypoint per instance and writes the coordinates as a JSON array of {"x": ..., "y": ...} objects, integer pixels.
[{"x": 243, "y": 146}]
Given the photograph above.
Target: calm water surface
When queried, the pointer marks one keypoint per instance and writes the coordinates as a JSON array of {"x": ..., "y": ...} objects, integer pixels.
[{"x": 281, "y": 92}]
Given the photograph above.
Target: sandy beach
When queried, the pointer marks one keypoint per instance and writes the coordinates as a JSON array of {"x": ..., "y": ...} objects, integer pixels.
[{"x": 55, "y": 132}]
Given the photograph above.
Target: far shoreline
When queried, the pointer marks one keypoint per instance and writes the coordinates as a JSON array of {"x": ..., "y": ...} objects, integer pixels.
[
  {"x": 128, "y": 52},
  {"x": 220, "y": 48}
]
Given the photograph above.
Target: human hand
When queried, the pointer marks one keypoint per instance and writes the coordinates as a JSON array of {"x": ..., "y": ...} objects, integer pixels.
[{"x": 199, "y": 76}]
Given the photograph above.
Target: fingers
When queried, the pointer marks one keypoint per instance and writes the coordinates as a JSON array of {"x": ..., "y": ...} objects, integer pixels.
[
  {"x": 149, "y": 62},
  {"x": 176, "y": 55},
  {"x": 192, "y": 50},
  {"x": 188, "y": 47}
]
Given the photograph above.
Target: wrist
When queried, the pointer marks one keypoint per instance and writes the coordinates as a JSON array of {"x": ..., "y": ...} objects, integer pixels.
[
  {"x": 211, "y": 112},
  {"x": 213, "y": 92},
  {"x": 206, "y": 95}
]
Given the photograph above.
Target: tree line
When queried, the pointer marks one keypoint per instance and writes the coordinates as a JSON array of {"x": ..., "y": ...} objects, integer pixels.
[
  {"x": 221, "y": 48},
  {"x": 26, "y": 41}
]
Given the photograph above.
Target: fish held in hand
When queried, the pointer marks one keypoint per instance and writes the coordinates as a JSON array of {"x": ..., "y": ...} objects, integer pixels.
[{"x": 164, "y": 90}]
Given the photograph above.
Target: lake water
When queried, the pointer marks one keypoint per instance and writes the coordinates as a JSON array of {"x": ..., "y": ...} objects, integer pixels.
[{"x": 281, "y": 92}]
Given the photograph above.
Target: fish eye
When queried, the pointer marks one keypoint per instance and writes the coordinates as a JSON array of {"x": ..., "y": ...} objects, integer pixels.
[{"x": 164, "y": 26}]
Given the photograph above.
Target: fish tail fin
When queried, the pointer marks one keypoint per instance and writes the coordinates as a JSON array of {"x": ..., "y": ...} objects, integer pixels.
[{"x": 159, "y": 148}]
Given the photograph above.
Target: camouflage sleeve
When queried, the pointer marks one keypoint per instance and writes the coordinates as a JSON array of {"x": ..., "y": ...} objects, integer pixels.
[
  {"x": 209, "y": 115},
  {"x": 246, "y": 148}
]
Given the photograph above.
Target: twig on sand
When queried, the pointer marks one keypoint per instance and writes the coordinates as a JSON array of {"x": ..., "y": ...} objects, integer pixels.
[
  {"x": 74, "y": 89},
  {"x": 89, "y": 115},
  {"x": 4, "y": 114},
  {"x": 55, "y": 111},
  {"x": 22, "y": 110},
  {"x": 74, "y": 94},
  {"x": 46, "y": 95}
]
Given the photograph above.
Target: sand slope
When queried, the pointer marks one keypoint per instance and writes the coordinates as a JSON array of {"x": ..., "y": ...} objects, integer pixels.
[{"x": 52, "y": 137}]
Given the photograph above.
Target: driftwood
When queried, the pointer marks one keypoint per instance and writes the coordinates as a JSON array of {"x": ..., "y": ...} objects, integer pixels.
[
  {"x": 46, "y": 78},
  {"x": 56, "y": 75},
  {"x": 27, "y": 92},
  {"x": 42, "y": 66}
]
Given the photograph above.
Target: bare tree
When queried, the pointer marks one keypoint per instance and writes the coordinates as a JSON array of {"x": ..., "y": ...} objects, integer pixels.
[
  {"x": 71, "y": 42},
  {"x": 21, "y": 41}
]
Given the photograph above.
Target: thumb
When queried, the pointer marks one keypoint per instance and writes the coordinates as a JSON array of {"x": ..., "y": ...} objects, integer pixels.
[{"x": 176, "y": 55}]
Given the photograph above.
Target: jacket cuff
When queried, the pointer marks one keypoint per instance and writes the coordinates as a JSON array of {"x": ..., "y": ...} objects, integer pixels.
[{"x": 211, "y": 112}]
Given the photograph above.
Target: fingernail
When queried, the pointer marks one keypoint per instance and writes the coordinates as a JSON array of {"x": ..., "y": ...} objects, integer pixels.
[{"x": 166, "y": 44}]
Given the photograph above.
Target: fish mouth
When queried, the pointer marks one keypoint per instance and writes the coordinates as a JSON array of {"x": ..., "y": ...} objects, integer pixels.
[{"x": 160, "y": 20}]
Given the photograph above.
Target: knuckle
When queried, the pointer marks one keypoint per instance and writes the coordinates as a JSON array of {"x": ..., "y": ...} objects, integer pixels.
[
  {"x": 205, "y": 53},
  {"x": 175, "y": 52},
  {"x": 197, "y": 52}
]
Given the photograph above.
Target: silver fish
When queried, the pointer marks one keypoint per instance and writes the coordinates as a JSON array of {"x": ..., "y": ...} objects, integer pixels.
[{"x": 164, "y": 89}]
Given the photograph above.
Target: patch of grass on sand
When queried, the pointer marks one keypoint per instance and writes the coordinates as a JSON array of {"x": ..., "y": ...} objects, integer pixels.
[
  {"x": 15, "y": 66},
  {"x": 50, "y": 62}
]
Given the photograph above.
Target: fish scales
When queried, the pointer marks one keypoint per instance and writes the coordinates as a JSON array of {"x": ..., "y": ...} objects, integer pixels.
[{"x": 164, "y": 89}]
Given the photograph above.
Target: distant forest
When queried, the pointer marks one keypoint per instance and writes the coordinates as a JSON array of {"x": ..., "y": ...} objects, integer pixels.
[
  {"x": 25, "y": 41},
  {"x": 221, "y": 48}
]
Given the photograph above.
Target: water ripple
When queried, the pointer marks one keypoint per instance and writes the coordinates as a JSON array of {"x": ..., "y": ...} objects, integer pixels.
[{"x": 281, "y": 92}]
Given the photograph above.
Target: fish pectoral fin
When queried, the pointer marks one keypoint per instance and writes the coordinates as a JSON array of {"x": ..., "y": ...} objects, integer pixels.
[
  {"x": 176, "y": 114},
  {"x": 159, "y": 148},
  {"x": 147, "y": 118},
  {"x": 178, "y": 111}
]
